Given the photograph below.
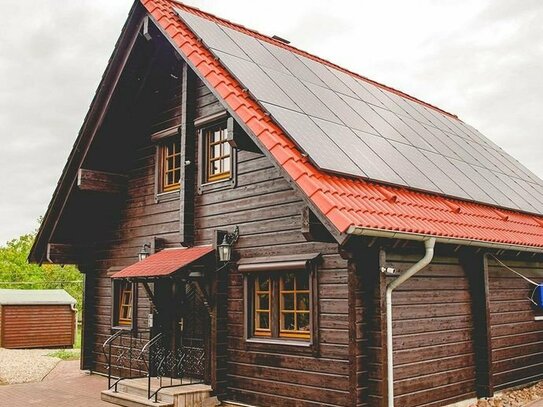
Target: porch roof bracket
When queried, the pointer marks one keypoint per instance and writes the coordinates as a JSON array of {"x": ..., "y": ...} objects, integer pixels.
[{"x": 150, "y": 294}]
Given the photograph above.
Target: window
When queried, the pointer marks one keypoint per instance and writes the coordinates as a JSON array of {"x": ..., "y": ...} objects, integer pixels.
[
  {"x": 170, "y": 164},
  {"x": 281, "y": 305},
  {"x": 216, "y": 157},
  {"x": 125, "y": 304},
  {"x": 294, "y": 305},
  {"x": 262, "y": 319},
  {"x": 124, "y": 300},
  {"x": 218, "y": 153}
]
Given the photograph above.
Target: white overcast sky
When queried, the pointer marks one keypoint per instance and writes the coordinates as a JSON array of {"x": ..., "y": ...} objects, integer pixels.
[{"x": 479, "y": 59}]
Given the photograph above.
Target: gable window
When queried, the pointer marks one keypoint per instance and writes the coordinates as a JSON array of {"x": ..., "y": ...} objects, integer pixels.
[
  {"x": 216, "y": 157},
  {"x": 280, "y": 300},
  {"x": 170, "y": 164},
  {"x": 123, "y": 304},
  {"x": 218, "y": 153}
]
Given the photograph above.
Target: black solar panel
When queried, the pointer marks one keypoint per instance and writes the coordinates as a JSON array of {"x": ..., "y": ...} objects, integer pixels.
[{"x": 351, "y": 126}]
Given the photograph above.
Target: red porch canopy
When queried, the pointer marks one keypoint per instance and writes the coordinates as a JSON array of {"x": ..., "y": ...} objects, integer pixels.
[{"x": 164, "y": 263}]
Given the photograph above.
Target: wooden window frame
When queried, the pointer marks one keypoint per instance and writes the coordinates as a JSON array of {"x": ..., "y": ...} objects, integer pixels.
[
  {"x": 295, "y": 292},
  {"x": 217, "y": 181},
  {"x": 125, "y": 290},
  {"x": 257, "y": 292},
  {"x": 305, "y": 342},
  {"x": 118, "y": 289},
  {"x": 162, "y": 139}
]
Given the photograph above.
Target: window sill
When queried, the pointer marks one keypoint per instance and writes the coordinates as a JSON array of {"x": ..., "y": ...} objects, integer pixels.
[
  {"x": 167, "y": 196},
  {"x": 122, "y": 328},
  {"x": 281, "y": 345},
  {"x": 283, "y": 342},
  {"x": 217, "y": 185}
]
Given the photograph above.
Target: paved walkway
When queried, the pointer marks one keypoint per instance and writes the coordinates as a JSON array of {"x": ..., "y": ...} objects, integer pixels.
[{"x": 64, "y": 386}]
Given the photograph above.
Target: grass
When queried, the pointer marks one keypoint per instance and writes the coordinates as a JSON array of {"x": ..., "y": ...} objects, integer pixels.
[{"x": 65, "y": 354}]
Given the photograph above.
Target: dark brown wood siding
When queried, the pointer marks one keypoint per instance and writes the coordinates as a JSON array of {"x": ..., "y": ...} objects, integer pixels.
[
  {"x": 434, "y": 361},
  {"x": 268, "y": 213},
  {"x": 37, "y": 326},
  {"x": 517, "y": 339}
]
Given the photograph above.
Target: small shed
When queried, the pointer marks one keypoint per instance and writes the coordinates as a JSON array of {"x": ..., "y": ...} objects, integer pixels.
[{"x": 37, "y": 319}]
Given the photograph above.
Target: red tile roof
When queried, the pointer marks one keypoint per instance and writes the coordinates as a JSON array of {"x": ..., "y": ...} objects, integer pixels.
[
  {"x": 347, "y": 202},
  {"x": 164, "y": 263}
]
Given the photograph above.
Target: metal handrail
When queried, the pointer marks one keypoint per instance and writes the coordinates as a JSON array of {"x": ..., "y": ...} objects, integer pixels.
[
  {"x": 108, "y": 356},
  {"x": 150, "y": 365}
]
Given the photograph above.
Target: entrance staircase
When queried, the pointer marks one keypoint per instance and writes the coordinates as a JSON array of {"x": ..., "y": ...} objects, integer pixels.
[{"x": 133, "y": 393}]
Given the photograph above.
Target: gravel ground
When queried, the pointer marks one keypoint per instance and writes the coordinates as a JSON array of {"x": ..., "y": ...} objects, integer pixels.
[
  {"x": 514, "y": 398},
  {"x": 25, "y": 365}
]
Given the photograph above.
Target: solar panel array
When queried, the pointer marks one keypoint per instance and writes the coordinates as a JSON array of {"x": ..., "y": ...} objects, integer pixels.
[{"x": 350, "y": 126}]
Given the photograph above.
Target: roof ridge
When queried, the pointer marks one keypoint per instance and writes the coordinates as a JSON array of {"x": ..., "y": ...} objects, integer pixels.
[{"x": 241, "y": 27}]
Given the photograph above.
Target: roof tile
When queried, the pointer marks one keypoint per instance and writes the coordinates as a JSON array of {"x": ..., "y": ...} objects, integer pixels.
[{"x": 346, "y": 201}]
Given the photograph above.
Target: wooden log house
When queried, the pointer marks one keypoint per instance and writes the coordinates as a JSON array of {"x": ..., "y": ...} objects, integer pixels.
[{"x": 382, "y": 251}]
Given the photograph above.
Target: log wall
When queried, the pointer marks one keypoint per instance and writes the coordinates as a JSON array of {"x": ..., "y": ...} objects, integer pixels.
[
  {"x": 517, "y": 339},
  {"x": 434, "y": 361}
]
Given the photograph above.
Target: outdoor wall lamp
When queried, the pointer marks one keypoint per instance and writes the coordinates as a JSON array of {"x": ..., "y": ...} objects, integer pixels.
[
  {"x": 225, "y": 248},
  {"x": 144, "y": 252}
]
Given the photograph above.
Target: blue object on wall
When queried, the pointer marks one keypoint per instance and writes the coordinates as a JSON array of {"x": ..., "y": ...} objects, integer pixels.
[{"x": 539, "y": 295}]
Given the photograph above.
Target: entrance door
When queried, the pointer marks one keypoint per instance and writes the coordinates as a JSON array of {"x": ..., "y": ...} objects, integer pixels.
[
  {"x": 183, "y": 320},
  {"x": 193, "y": 333}
]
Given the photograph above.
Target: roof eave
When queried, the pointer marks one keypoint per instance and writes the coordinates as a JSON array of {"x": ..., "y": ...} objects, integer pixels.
[
  {"x": 391, "y": 234},
  {"x": 100, "y": 102}
]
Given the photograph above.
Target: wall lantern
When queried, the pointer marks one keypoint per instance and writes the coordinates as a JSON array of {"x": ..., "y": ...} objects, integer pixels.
[
  {"x": 225, "y": 248},
  {"x": 144, "y": 252}
]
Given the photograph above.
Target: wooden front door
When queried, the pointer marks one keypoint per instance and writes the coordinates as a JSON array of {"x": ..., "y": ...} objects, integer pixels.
[
  {"x": 194, "y": 333},
  {"x": 184, "y": 322}
]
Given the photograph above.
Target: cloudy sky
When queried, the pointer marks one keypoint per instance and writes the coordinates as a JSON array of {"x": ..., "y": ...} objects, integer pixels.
[{"x": 479, "y": 59}]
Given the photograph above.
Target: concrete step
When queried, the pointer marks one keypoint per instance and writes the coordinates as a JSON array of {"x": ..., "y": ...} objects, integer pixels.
[
  {"x": 186, "y": 395},
  {"x": 130, "y": 400},
  {"x": 140, "y": 389},
  {"x": 211, "y": 402}
]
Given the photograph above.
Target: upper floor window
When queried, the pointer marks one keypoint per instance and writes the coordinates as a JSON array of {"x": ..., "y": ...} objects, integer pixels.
[
  {"x": 170, "y": 164},
  {"x": 218, "y": 153}
]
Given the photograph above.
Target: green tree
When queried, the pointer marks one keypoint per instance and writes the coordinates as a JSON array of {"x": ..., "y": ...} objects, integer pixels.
[{"x": 16, "y": 272}]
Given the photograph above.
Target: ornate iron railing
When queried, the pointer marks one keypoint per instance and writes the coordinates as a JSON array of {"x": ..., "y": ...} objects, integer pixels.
[{"x": 129, "y": 356}]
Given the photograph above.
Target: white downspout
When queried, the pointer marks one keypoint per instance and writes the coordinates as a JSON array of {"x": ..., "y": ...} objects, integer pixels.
[{"x": 429, "y": 245}]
